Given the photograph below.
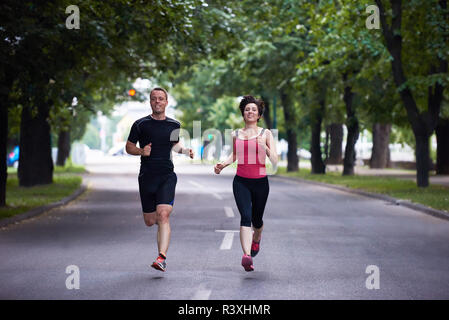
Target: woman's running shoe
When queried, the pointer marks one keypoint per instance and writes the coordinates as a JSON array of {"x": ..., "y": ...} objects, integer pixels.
[
  {"x": 159, "y": 264},
  {"x": 255, "y": 247},
  {"x": 247, "y": 263}
]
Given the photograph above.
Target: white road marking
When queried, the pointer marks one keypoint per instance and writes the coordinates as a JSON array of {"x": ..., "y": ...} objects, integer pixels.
[
  {"x": 226, "y": 244},
  {"x": 227, "y": 230},
  {"x": 199, "y": 186},
  {"x": 229, "y": 212},
  {"x": 202, "y": 293},
  {"x": 216, "y": 195},
  {"x": 196, "y": 184}
]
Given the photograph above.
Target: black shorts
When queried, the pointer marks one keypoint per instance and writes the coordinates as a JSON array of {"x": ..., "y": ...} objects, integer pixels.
[{"x": 156, "y": 189}]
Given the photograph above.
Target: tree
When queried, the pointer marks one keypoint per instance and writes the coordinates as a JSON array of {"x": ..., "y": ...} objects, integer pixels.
[{"x": 428, "y": 66}]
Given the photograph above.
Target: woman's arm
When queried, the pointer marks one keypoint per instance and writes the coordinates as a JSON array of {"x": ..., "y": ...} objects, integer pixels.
[
  {"x": 231, "y": 159},
  {"x": 271, "y": 148}
]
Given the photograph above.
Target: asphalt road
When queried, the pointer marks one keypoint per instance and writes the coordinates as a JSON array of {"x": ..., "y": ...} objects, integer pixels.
[{"x": 317, "y": 244}]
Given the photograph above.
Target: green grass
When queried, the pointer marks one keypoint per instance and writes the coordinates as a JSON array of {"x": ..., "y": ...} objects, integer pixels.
[
  {"x": 21, "y": 199},
  {"x": 434, "y": 196}
]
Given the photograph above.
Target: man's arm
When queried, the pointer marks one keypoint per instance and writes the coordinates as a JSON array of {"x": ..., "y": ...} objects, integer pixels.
[
  {"x": 179, "y": 148},
  {"x": 132, "y": 149}
]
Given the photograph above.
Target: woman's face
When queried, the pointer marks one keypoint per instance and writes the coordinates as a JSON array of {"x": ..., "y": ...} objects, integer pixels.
[{"x": 251, "y": 113}]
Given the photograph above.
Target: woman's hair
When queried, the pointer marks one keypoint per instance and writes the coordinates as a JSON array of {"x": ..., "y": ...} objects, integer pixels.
[{"x": 250, "y": 99}]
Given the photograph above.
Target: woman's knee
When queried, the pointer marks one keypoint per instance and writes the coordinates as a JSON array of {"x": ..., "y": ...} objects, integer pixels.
[
  {"x": 257, "y": 224},
  {"x": 245, "y": 222}
]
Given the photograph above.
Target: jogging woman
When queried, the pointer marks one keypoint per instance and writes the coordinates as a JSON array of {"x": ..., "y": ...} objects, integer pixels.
[{"x": 251, "y": 145}]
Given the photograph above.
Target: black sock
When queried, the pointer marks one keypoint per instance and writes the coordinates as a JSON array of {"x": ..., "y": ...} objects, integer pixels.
[{"x": 162, "y": 256}]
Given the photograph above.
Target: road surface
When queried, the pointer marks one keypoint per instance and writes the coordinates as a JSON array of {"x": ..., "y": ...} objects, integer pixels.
[{"x": 318, "y": 243}]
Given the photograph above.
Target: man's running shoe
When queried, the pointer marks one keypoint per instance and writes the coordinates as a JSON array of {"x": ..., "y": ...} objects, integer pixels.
[
  {"x": 159, "y": 264},
  {"x": 247, "y": 263},
  {"x": 255, "y": 247}
]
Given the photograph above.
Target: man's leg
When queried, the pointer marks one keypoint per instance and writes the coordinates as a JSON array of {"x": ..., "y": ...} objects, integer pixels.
[
  {"x": 163, "y": 233},
  {"x": 149, "y": 218}
]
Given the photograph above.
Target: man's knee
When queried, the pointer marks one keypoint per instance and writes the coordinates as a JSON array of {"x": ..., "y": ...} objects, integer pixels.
[
  {"x": 149, "y": 218},
  {"x": 163, "y": 215}
]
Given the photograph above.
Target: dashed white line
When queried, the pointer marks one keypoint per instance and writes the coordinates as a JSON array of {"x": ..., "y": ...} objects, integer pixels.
[
  {"x": 196, "y": 184},
  {"x": 216, "y": 195},
  {"x": 229, "y": 212},
  {"x": 202, "y": 293},
  {"x": 226, "y": 244},
  {"x": 199, "y": 186}
]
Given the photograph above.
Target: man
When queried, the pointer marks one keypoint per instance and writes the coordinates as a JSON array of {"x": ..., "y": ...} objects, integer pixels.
[{"x": 158, "y": 134}]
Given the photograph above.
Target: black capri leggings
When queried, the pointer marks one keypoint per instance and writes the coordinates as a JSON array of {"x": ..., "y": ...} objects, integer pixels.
[{"x": 251, "y": 196}]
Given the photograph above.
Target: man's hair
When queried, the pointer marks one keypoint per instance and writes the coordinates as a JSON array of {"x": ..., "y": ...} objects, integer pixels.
[
  {"x": 250, "y": 99},
  {"x": 160, "y": 89}
]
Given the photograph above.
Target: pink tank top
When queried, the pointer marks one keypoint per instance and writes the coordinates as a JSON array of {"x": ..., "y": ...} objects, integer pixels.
[{"x": 250, "y": 158}]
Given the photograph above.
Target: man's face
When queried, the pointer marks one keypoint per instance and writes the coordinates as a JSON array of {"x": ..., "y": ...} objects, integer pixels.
[{"x": 158, "y": 101}]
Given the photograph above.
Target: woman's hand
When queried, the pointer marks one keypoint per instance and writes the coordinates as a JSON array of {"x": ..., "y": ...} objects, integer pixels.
[
  {"x": 218, "y": 167},
  {"x": 262, "y": 142}
]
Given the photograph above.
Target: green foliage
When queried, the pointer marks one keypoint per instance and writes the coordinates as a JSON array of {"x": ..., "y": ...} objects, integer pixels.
[{"x": 92, "y": 137}]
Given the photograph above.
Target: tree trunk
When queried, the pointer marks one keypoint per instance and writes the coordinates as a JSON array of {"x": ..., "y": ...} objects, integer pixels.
[
  {"x": 336, "y": 137},
  {"x": 35, "y": 162},
  {"x": 352, "y": 125},
  {"x": 292, "y": 156},
  {"x": 63, "y": 147},
  {"x": 442, "y": 133},
  {"x": 3, "y": 146},
  {"x": 381, "y": 140},
  {"x": 5, "y": 87},
  {"x": 317, "y": 163},
  {"x": 423, "y": 123},
  {"x": 422, "y": 159}
]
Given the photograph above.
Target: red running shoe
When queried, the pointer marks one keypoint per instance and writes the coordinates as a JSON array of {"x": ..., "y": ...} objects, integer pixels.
[
  {"x": 159, "y": 264},
  {"x": 247, "y": 263},
  {"x": 255, "y": 247}
]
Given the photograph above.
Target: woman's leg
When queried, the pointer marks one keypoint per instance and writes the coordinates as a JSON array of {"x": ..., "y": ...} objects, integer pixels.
[
  {"x": 259, "y": 200},
  {"x": 246, "y": 239},
  {"x": 257, "y": 235},
  {"x": 242, "y": 197}
]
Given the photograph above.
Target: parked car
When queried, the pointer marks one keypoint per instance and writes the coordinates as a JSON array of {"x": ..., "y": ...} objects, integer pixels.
[
  {"x": 12, "y": 160},
  {"x": 118, "y": 150}
]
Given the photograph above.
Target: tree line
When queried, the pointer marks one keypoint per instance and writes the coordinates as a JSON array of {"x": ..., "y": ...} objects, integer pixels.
[
  {"x": 326, "y": 69},
  {"x": 315, "y": 61}
]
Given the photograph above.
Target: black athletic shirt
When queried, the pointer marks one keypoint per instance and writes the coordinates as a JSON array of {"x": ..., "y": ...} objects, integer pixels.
[{"x": 163, "y": 135}]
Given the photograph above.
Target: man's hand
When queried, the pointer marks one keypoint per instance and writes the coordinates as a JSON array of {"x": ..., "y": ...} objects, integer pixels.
[
  {"x": 147, "y": 150},
  {"x": 187, "y": 151}
]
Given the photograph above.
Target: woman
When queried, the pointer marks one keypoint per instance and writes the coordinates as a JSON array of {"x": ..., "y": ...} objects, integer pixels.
[{"x": 250, "y": 186}]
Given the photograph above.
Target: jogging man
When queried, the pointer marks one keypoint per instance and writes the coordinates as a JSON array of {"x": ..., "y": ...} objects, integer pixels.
[{"x": 157, "y": 135}]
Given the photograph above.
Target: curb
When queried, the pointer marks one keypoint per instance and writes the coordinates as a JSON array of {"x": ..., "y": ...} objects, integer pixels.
[
  {"x": 415, "y": 206},
  {"x": 39, "y": 210}
]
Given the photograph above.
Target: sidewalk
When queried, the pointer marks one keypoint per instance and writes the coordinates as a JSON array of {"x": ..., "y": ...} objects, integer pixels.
[
  {"x": 389, "y": 172},
  {"x": 394, "y": 173}
]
